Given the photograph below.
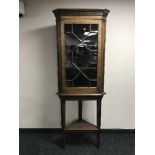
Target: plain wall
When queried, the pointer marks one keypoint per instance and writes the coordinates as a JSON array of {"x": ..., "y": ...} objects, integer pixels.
[{"x": 39, "y": 105}]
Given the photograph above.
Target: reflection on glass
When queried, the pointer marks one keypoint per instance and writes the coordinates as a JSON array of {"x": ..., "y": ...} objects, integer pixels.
[{"x": 81, "y": 55}]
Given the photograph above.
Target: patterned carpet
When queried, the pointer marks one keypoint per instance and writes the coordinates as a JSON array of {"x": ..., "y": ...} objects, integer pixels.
[{"x": 76, "y": 144}]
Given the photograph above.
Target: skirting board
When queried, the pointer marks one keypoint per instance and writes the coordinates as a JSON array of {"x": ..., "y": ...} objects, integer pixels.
[{"x": 59, "y": 130}]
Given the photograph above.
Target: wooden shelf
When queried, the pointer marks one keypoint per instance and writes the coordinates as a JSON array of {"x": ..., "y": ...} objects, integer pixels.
[{"x": 78, "y": 126}]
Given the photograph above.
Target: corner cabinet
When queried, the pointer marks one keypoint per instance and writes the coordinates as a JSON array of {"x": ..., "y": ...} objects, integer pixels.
[{"x": 81, "y": 57}]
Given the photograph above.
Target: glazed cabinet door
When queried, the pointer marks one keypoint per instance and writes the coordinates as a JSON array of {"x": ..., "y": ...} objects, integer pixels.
[{"x": 82, "y": 55}]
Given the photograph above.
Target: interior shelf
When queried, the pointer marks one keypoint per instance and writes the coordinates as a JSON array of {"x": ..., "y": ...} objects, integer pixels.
[{"x": 80, "y": 125}]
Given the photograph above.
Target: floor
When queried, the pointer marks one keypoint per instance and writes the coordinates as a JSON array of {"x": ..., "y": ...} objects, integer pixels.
[{"x": 77, "y": 144}]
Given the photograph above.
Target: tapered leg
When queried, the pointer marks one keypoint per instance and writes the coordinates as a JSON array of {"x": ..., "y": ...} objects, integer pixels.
[
  {"x": 98, "y": 121},
  {"x": 98, "y": 140},
  {"x": 80, "y": 110},
  {"x": 63, "y": 119}
]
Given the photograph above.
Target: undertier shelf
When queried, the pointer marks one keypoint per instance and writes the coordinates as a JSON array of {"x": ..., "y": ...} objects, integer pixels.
[{"x": 80, "y": 125}]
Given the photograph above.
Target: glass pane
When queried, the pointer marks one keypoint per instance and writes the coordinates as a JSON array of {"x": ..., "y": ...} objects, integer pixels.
[{"x": 81, "y": 51}]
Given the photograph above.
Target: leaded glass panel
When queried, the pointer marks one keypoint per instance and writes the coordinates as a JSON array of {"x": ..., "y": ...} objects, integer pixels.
[{"x": 81, "y": 51}]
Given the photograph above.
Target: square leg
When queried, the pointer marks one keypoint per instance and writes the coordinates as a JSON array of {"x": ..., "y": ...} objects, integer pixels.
[
  {"x": 64, "y": 140},
  {"x": 98, "y": 122},
  {"x": 98, "y": 139},
  {"x": 63, "y": 124}
]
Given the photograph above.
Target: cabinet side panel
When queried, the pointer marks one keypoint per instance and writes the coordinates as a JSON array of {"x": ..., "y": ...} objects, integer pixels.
[
  {"x": 99, "y": 63},
  {"x": 58, "y": 28},
  {"x": 103, "y": 49},
  {"x": 102, "y": 57}
]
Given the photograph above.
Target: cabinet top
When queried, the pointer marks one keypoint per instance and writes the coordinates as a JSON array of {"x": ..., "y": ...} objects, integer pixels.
[{"x": 80, "y": 12}]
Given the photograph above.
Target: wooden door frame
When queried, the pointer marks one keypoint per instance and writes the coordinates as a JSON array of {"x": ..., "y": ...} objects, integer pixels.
[{"x": 101, "y": 41}]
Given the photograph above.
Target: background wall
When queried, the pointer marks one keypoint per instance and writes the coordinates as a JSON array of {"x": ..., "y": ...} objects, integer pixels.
[{"x": 39, "y": 105}]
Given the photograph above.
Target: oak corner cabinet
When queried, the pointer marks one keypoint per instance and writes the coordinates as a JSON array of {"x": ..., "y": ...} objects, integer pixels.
[{"x": 81, "y": 57}]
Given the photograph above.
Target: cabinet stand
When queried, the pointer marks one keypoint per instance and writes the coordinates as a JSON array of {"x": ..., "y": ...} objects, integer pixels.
[{"x": 80, "y": 125}]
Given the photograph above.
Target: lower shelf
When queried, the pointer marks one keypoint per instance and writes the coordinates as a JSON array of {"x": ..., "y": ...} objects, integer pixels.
[{"x": 80, "y": 125}]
